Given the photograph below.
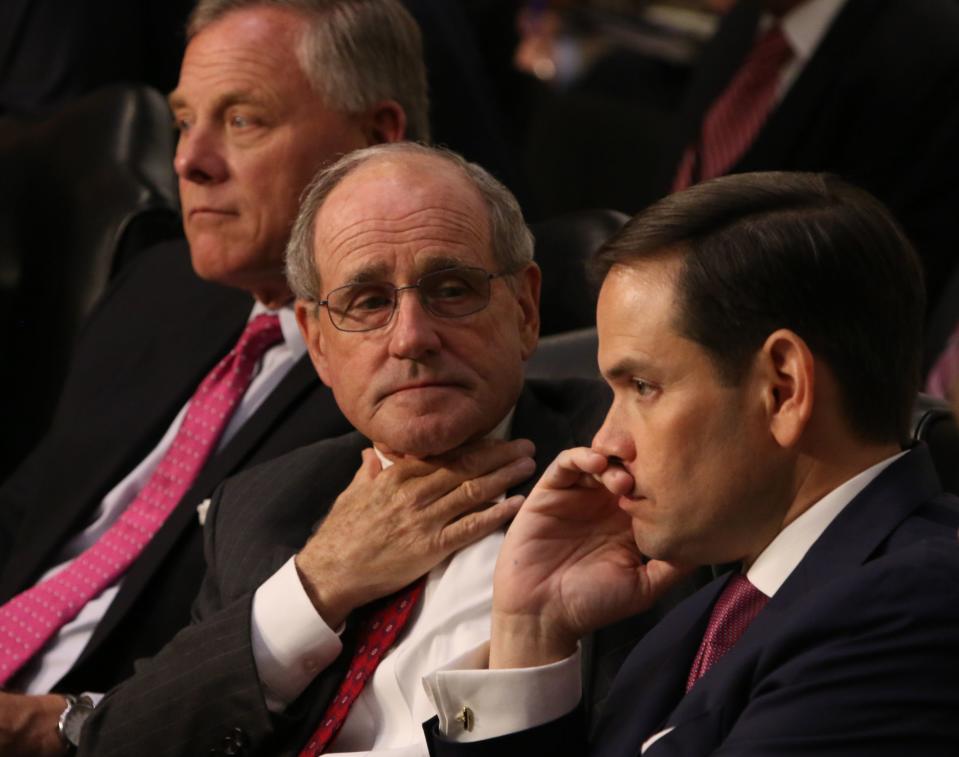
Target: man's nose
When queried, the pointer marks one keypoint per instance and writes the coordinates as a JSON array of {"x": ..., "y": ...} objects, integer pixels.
[
  {"x": 199, "y": 157},
  {"x": 612, "y": 440},
  {"x": 414, "y": 331}
]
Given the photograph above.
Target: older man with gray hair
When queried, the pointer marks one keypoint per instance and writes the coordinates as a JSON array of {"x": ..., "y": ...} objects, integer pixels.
[
  {"x": 100, "y": 540},
  {"x": 340, "y": 574}
]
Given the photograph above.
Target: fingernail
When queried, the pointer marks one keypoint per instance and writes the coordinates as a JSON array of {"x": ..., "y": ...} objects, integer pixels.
[
  {"x": 525, "y": 466},
  {"x": 514, "y": 502},
  {"x": 526, "y": 447}
]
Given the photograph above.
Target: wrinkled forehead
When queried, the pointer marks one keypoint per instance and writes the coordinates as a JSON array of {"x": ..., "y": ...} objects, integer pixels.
[{"x": 395, "y": 219}]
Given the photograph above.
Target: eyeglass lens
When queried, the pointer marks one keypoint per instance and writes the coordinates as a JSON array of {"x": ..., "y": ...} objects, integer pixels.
[{"x": 450, "y": 293}]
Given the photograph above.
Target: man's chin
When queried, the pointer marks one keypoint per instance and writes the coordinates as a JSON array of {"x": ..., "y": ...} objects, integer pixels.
[{"x": 427, "y": 436}]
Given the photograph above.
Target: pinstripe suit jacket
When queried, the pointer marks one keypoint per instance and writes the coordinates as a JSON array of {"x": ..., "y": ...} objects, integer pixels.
[{"x": 201, "y": 694}]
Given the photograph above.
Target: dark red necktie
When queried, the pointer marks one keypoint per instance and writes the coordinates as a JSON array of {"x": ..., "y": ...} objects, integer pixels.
[
  {"x": 738, "y": 604},
  {"x": 735, "y": 118},
  {"x": 376, "y": 636}
]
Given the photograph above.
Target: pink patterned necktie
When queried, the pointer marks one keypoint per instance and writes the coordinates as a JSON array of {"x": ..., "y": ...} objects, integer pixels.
[
  {"x": 376, "y": 636},
  {"x": 738, "y": 604},
  {"x": 735, "y": 118},
  {"x": 33, "y": 617}
]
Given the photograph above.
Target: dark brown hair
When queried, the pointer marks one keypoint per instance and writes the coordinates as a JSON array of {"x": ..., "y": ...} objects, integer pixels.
[{"x": 806, "y": 252}]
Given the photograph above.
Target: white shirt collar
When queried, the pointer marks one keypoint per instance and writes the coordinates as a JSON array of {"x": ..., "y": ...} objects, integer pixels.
[
  {"x": 806, "y": 25},
  {"x": 774, "y": 564},
  {"x": 291, "y": 331},
  {"x": 501, "y": 431}
]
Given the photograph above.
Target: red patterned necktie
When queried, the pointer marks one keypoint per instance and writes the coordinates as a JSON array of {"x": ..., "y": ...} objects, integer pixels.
[
  {"x": 376, "y": 636},
  {"x": 735, "y": 118},
  {"x": 738, "y": 604},
  {"x": 33, "y": 617}
]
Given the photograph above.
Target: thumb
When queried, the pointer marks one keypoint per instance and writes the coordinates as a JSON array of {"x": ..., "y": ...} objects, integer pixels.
[
  {"x": 661, "y": 576},
  {"x": 371, "y": 466}
]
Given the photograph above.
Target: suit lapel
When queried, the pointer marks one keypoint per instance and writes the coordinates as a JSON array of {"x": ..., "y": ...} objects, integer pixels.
[
  {"x": 863, "y": 525},
  {"x": 849, "y": 541},
  {"x": 791, "y": 124},
  {"x": 300, "y": 380},
  {"x": 652, "y": 681},
  {"x": 168, "y": 383}
]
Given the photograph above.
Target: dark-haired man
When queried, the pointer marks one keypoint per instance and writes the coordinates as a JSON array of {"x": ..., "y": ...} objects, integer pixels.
[{"x": 761, "y": 336}]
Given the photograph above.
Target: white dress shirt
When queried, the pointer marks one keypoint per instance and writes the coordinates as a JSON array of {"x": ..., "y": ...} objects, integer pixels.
[
  {"x": 804, "y": 27},
  {"x": 292, "y": 645},
  {"x": 506, "y": 701},
  {"x": 43, "y": 672}
]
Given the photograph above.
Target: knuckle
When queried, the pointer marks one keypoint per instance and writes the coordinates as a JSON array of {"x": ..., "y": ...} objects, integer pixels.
[{"x": 473, "y": 490}]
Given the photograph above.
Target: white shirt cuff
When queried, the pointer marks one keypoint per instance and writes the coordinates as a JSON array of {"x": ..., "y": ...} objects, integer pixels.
[
  {"x": 501, "y": 701},
  {"x": 291, "y": 642}
]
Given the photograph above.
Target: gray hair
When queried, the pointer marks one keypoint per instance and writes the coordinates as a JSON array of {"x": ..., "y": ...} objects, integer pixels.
[
  {"x": 355, "y": 53},
  {"x": 510, "y": 238}
]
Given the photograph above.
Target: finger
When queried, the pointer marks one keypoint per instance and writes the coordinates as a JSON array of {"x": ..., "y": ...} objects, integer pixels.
[
  {"x": 569, "y": 467},
  {"x": 617, "y": 480},
  {"x": 474, "y": 526},
  {"x": 371, "y": 465},
  {"x": 474, "y": 461},
  {"x": 660, "y": 576},
  {"x": 482, "y": 489}
]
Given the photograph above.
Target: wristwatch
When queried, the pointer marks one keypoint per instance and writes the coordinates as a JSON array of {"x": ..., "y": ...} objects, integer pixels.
[{"x": 72, "y": 718}]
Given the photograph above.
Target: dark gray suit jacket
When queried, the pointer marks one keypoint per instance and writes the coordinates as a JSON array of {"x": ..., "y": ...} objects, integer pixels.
[
  {"x": 201, "y": 693},
  {"x": 152, "y": 338}
]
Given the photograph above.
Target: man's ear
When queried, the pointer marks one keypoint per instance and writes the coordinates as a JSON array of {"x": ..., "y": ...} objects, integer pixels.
[
  {"x": 308, "y": 319},
  {"x": 787, "y": 371},
  {"x": 527, "y": 284},
  {"x": 384, "y": 122}
]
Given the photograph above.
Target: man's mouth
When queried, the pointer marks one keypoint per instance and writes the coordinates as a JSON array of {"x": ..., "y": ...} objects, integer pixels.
[{"x": 206, "y": 211}]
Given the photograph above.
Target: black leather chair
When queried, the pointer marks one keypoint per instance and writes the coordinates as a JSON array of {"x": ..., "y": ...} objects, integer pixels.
[
  {"x": 80, "y": 194},
  {"x": 563, "y": 247},
  {"x": 934, "y": 423}
]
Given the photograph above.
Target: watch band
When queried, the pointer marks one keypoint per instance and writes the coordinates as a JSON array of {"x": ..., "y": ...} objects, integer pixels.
[{"x": 72, "y": 718}]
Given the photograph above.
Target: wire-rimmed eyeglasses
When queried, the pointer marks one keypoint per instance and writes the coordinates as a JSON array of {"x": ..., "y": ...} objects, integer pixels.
[{"x": 446, "y": 293}]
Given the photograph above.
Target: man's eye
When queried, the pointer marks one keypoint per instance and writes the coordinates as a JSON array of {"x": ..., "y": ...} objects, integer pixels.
[
  {"x": 239, "y": 121},
  {"x": 181, "y": 123},
  {"x": 643, "y": 388},
  {"x": 450, "y": 290},
  {"x": 370, "y": 300}
]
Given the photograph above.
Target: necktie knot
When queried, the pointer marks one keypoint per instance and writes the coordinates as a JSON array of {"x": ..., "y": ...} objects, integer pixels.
[
  {"x": 738, "y": 604},
  {"x": 260, "y": 334}
]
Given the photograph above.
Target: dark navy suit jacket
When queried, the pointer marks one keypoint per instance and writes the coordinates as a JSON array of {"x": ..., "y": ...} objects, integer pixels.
[{"x": 856, "y": 654}]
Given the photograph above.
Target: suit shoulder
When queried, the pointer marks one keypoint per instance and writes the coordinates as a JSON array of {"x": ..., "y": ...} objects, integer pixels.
[{"x": 290, "y": 470}]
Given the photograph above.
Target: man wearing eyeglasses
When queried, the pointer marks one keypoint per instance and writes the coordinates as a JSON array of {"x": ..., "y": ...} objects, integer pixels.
[{"x": 417, "y": 297}]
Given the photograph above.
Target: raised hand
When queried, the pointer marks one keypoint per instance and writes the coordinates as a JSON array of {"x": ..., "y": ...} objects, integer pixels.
[
  {"x": 389, "y": 527},
  {"x": 569, "y": 564}
]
